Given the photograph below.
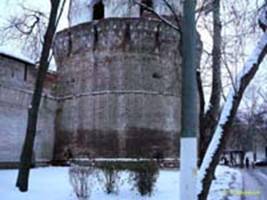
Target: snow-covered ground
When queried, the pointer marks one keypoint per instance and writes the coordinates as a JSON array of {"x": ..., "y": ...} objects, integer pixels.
[
  {"x": 52, "y": 183},
  {"x": 227, "y": 182}
]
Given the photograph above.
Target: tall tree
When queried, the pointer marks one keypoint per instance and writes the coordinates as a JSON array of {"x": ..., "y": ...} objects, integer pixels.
[
  {"x": 26, "y": 155},
  {"x": 222, "y": 131},
  {"x": 208, "y": 120},
  {"x": 214, "y": 121}
]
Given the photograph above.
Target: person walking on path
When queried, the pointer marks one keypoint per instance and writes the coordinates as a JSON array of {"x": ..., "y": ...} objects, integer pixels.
[{"x": 247, "y": 162}]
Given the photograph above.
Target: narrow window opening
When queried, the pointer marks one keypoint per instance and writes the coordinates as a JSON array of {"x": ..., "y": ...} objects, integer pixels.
[
  {"x": 98, "y": 11},
  {"x": 147, "y": 3},
  {"x": 25, "y": 72},
  {"x": 156, "y": 75}
]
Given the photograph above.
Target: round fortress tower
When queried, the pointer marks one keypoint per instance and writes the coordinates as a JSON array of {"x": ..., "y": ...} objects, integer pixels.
[{"x": 119, "y": 81}]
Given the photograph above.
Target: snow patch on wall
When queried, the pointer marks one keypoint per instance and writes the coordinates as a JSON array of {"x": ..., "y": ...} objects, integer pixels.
[
  {"x": 15, "y": 54},
  {"x": 81, "y": 11},
  {"x": 121, "y": 8}
]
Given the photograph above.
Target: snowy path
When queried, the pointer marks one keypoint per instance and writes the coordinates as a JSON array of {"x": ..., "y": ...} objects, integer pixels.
[
  {"x": 52, "y": 183},
  {"x": 255, "y": 185}
]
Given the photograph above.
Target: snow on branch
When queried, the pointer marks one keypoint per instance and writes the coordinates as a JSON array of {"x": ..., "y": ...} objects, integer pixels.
[{"x": 231, "y": 104}]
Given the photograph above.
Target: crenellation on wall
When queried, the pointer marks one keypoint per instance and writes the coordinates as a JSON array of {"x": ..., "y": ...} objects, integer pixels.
[
  {"x": 144, "y": 35},
  {"x": 109, "y": 49}
]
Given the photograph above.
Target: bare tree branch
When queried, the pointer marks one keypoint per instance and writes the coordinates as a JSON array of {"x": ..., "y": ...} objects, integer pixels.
[{"x": 163, "y": 19}]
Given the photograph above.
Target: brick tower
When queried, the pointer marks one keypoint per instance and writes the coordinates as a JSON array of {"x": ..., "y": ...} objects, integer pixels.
[{"x": 119, "y": 80}]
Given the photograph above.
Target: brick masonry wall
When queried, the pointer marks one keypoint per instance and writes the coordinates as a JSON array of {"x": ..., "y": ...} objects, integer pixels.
[
  {"x": 15, "y": 97},
  {"x": 119, "y": 85}
]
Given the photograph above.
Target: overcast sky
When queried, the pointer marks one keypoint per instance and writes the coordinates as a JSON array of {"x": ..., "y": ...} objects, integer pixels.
[{"x": 10, "y": 8}]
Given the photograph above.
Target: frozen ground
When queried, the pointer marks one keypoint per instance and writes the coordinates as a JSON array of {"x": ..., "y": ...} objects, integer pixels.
[
  {"x": 52, "y": 183},
  {"x": 255, "y": 184}
]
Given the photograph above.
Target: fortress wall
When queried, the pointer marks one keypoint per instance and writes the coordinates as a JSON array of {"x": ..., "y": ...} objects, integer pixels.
[
  {"x": 15, "y": 97},
  {"x": 119, "y": 85}
]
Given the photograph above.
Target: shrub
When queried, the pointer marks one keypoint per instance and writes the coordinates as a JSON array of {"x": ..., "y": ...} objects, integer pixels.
[
  {"x": 110, "y": 178},
  {"x": 82, "y": 179},
  {"x": 145, "y": 176}
]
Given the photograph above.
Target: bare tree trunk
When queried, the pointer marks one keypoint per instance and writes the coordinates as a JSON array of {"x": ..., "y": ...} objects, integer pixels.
[
  {"x": 209, "y": 119},
  {"x": 222, "y": 132},
  {"x": 27, "y": 151}
]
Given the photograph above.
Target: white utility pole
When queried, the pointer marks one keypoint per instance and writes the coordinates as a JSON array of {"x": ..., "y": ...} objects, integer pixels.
[{"x": 188, "y": 142}]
